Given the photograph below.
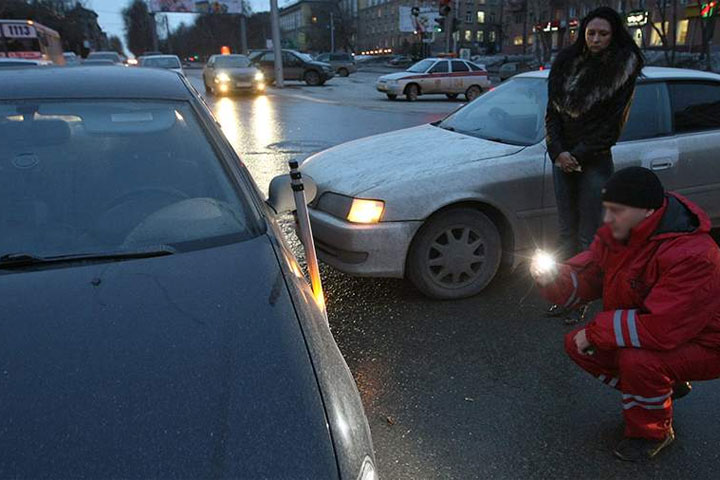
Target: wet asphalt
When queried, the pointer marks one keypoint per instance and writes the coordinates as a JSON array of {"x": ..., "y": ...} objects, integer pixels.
[{"x": 474, "y": 388}]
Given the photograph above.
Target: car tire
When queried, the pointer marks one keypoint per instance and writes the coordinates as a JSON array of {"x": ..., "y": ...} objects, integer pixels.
[
  {"x": 412, "y": 92},
  {"x": 312, "y": 78},
  {"x": 455, "y": 254},
  {"x": 391, "y": 96},
  {"x": 207, "y": 88},
  {"x": 473, "y": 92},
  {"x": 451, "y": 96},
  {"x": 343, "y": 72}
]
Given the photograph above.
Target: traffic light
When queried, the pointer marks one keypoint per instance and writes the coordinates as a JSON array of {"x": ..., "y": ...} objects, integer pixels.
[
  {"x": 707, "y": 9},
  {"x": 439, "y": 24},
  {"x": 444, "y": 9}
]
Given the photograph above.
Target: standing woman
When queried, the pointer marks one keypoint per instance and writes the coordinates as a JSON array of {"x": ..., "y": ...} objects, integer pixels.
[{"x": 590, "y": 89}]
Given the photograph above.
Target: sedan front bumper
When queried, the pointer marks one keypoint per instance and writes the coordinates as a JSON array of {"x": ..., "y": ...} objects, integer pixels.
[
  {"x": 376, "y": 250},
  {"x": 391, "y": 88}
]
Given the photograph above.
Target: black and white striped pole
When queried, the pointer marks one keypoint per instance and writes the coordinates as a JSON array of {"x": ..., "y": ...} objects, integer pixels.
[{"x": 305, "y": 231}]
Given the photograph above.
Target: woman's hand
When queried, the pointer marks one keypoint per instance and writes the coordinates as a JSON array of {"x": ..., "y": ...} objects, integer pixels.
[{"x": 567, "y": 163}]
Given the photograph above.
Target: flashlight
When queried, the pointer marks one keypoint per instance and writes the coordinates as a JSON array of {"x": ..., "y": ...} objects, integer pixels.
[{"x": 543, "y": 262}]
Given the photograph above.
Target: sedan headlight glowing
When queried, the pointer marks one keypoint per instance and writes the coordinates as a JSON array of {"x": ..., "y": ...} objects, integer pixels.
[
  {"x": 259, "y": 77},
  {"x": 366, "y": 211},
  {"x": 222, "y": 78}
]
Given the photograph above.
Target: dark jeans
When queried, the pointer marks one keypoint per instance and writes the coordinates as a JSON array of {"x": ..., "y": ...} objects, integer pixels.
[{"x": 579, "y": 203}]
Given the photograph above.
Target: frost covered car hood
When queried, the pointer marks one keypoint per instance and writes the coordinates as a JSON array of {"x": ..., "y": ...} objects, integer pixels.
[
  {"x": 355, "y": 167},
  {"x": 399, "y": 75}
]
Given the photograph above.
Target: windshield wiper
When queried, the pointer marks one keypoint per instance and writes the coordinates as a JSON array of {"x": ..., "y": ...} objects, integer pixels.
[{"x": 23, "y": 259}]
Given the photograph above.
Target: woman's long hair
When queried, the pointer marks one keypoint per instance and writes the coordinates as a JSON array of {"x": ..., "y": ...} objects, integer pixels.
[{"x": 621, "y": 38}]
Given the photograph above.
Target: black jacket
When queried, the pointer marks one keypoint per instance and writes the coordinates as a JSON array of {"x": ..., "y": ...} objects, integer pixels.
[{"x": 589, "y": 98}]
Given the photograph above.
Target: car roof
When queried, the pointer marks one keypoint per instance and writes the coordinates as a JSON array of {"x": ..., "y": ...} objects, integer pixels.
[
  {"x": 161, "y": 56},
  {"x": 649, "y": 73},
  {"x": 105, "y": 82}
]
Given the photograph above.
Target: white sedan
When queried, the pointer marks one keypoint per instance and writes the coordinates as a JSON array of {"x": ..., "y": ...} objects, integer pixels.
[
  {"x": 436, "y": 75},
  {"x": 445, "y": 204}
]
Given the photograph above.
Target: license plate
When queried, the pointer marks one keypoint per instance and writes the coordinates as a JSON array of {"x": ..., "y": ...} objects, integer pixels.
[{"x": 243, "y": 84}]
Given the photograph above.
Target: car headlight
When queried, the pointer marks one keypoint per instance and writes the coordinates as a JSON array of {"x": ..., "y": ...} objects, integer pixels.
[
  {"x": 366, "y": 211},
  {"x": 222, "y": 78},
  {"x": 392, "y": 82},
  {"x": 356, "y": 210},
  {"x": 367, "y": 470},
  {"x": 259, "y": 77}
]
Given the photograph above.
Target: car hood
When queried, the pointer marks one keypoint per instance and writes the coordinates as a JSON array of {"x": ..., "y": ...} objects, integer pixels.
[
  {"x": 184, "y": 366},
  {"x": 399, "y": 75},
  {"x": 355, "y": 167}
]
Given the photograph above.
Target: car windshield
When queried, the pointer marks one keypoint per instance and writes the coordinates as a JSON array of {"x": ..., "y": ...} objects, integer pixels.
[
  {"x": 305, "y": 56},
  {"x": 512, "y": 113},
  {"x": 227, "y": 61},
  {"x": 80, "y": 177},
  {"x": 161, "y": 62},
  {"x": 421, "y": 66}
]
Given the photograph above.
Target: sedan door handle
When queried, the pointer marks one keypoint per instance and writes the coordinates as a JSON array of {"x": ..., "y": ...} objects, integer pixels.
[{"x": 661, "y": 164}]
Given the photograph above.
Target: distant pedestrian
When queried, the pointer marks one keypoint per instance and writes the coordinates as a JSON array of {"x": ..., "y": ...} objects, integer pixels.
[{"x": 590, "y": 90}]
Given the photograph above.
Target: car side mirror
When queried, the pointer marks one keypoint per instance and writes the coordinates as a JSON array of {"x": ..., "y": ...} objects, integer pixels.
[{"x": 281, "y": 196}]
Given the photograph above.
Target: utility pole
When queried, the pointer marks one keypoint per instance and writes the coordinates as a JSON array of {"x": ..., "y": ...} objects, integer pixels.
[
  {"x": 275, "y": 21},
  {"x": 332, "y": 33},
  {"x": 167, "y": 29},
  {"x": 243, "y": 33},
  {"x": 153, "y": 30}
]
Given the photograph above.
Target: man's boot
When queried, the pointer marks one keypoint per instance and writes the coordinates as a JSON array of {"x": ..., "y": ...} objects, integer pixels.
[
  {"x": 555, "y": 311},
  {"x": 638, "y": 449},
  {"x": 577, "y": 315},
  {"x": 680, "y": 390}
]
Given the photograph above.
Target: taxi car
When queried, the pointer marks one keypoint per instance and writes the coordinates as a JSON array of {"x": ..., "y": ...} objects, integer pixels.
[
  {"x": 155, "y": 323},
  {"x": 445, "y": 204},
  {"x": 436, "y": 76}
]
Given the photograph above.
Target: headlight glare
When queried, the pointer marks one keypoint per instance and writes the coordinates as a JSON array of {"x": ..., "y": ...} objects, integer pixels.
[
  {"x": 222, "y": 78},
  {"x": 366, "y": 211},
  {"x": 259, "y": 77}
]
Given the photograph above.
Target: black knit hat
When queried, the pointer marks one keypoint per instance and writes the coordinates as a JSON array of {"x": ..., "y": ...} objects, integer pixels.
[{"x": 634, "y": 187}]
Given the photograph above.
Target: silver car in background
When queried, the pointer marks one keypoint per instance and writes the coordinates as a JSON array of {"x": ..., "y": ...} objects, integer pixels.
[
  {"x": 445, "y": 204},
  {"x": 168, "y": 62},
  {"x": 232, "y": 73}
]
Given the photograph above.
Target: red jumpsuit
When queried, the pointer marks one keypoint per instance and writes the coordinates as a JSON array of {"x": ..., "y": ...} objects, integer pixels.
[{"x": 660, "y": 322}]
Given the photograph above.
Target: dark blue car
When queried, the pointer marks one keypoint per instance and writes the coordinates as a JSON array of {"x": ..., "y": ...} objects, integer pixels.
[{"x": 153, "y": 322}]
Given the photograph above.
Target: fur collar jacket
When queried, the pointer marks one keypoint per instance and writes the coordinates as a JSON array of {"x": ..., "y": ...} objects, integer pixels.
[{"x": 580, "y": 82}]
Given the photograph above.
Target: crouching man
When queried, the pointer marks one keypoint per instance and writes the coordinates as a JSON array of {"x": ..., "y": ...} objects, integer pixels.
[{"x": 658, "y": 272}]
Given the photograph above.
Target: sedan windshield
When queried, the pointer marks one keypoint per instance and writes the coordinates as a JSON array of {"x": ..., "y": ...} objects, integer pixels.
[
  {"x": 84, "y": 177},
  {"x": 234, "y": 61},
  {"x": 421, "y": 66},
  {"x": 512, "y": 113}
]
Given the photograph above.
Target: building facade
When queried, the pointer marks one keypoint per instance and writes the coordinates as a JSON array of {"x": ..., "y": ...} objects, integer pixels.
[
  {"x": 306, "y": 25},
  {"x": 541, "y": 27}
]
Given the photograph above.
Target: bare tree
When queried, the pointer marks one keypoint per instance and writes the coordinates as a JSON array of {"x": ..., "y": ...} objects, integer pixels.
[{"x": 666, "y": 12}]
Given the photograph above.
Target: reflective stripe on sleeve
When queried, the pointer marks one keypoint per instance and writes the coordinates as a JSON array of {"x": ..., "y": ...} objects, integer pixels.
[
  {"x": 632, "y": 329},
  {"x": 617, "y": 326}
]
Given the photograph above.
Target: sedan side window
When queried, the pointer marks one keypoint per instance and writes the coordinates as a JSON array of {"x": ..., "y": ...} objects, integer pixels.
[
  {"x": 695, "y": 106},
  {"x": 268, "y": 57},
  {"x": 459, "y": 66},
  {"x": 440, "y": 67},
  {"x": 291, "y": 60},
  {"x": 649, "y": 114}
]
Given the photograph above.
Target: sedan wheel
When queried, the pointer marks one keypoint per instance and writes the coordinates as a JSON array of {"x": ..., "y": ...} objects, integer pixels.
[
  {"x": 472, "y": 93},
  {"x": 343, "y": 72},
  {"x": 451, "y": 96},
  {"x": 411, "y": 92},
  {"x": 207, "y": 88},
  {"x": 391, "y": 96},
  {"x": 455, "y": 254},
  {"x": 312, "y": 78}
]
